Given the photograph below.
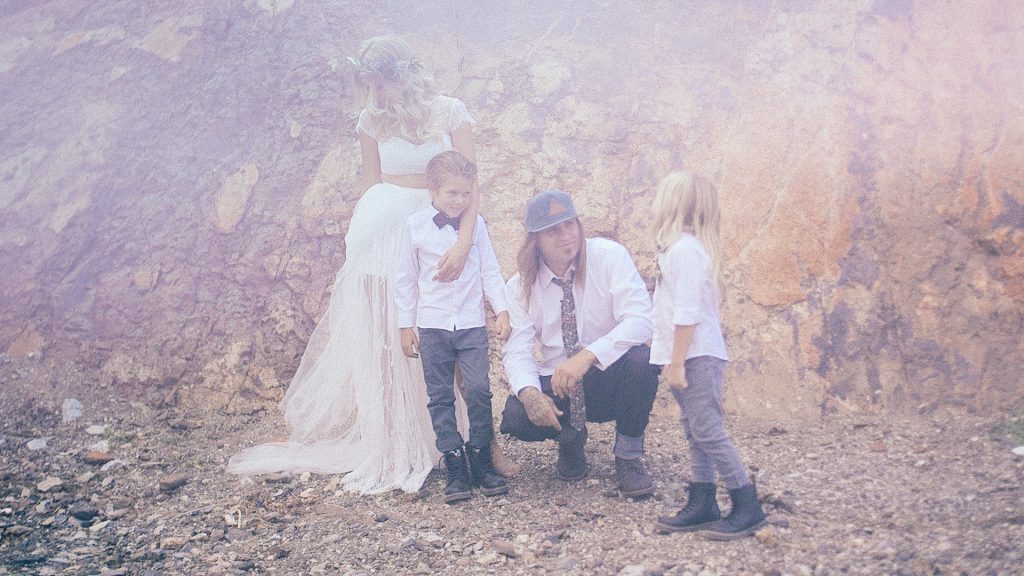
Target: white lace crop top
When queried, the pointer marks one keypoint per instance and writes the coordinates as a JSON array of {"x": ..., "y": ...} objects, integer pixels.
[{"x": 398, "y": 156}]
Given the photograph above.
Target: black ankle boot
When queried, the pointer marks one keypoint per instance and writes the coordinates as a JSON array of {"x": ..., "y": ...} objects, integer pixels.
[
  {"x": 484, "y": 476},
  {"x": 458, "y": 476},
  {"x": 700, "y": 511},
  {"x": 743, "y": 520},
  {"x": 572, "y": 458}
]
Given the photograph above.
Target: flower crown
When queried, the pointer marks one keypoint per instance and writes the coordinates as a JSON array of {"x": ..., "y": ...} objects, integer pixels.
[{"x": 387, "y": 67}]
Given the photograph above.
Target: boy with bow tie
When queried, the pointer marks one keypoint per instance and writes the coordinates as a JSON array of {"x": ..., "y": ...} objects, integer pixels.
[{"x": 443, "y": 323}]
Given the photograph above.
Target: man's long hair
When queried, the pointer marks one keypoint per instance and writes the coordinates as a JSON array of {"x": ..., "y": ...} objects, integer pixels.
[{"x": 529, "y": 260}]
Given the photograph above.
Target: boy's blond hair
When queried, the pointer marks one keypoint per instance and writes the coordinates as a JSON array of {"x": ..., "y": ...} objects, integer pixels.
[
  {"x": 450, "y": 164},
  {"x": 688, "y": 203}
]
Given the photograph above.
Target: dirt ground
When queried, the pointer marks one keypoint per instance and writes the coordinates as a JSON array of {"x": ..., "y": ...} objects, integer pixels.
[{"x": 131, "y": 488}]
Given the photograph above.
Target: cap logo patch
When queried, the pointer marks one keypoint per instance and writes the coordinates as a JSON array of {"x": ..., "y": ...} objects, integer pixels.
[{"x": 556, "y": 208}]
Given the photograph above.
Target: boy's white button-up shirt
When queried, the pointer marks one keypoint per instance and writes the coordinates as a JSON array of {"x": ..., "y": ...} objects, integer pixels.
[
  {"x": 427, "y": 303},
  {"x": 613, "y": 314},
  {"x": 686, "y": 295}
]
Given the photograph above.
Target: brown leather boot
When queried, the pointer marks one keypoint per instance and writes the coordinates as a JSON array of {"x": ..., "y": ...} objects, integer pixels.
[{"x": 634, "y": 480}]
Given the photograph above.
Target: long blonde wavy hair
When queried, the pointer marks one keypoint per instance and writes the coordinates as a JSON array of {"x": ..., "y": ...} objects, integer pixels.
[
  {"x": 688, "y": 203},
  {"x": 399, "y": 91}
]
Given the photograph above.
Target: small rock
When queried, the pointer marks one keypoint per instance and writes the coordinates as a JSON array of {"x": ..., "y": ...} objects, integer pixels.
[
  {"x": 83, "y": 510},
  {"x": 96, "y": 457},
  {"x": 37, "y": 444},
  {"x": 70, "y": 410},
  {"x": 422, "y": 568},
  {"x": 767, "y": 536},
  {"x": 488, "y": 558},
  {"x": 96, "y": 430},
  {"x": 278, "y": 553},
  {"x": 505, "y": 548},
  {"x": 172, "y": 482},
  {"x": 304, "y": 477},
  {"x": 172, "y": 542},
  {"x": 632, "y": 570},
  {"x": 85, "y": 477},
  {"x": 1019, "y": 450},
  {"x": 100, "y": 446},
  {"x": 99, "y": 526},
  {"x": 49, "y": 483},
  {"x": 380, "y": 517},
  {"x": 114, "y": 464}
]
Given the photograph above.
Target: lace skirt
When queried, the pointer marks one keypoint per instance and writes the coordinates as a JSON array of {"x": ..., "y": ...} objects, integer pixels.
[{"x": 357, "y": 405}]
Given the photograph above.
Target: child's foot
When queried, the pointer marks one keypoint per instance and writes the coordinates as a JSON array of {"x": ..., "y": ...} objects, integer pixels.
[{"x": 502, "y": 465}]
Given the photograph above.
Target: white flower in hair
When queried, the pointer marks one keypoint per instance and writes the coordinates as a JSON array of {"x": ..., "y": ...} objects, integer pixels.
[{"x": 386, "y": 67}]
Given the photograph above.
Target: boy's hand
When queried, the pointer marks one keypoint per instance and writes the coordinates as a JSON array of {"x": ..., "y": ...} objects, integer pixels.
[
  {"x": 675, "y": 375},
  {"x": 410, "y": 342},
  {"x": 502, "y": 327}
]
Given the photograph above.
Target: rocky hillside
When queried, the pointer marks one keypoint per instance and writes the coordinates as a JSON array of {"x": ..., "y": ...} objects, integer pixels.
[{"x": 176, "y": 179}]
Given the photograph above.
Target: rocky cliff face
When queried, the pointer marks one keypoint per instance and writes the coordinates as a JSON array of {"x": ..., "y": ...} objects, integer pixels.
[{"x": 176, "y": 182}]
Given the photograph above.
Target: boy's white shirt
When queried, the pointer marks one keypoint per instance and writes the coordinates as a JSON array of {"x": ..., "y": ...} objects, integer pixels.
[
  {"x": 686, "y": 295},
  {"x": 426, "y": 303}
]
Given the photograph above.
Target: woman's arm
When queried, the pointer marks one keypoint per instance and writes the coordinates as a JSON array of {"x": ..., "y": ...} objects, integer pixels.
[
  {"x": 371, "y": 162},
  {"x": 451, "y": 264}
]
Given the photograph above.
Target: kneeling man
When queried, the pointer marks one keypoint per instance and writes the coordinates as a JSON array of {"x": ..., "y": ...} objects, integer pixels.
[{"x": 582, "y": 303}]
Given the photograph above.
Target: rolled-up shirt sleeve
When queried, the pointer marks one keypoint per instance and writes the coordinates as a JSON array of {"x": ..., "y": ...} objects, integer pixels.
[
  {"x": 631, "y": 306},
  {"x": 517, "y": 354}
]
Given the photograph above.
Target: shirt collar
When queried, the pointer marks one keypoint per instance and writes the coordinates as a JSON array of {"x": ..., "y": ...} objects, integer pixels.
[{"x": 546, "y": 275}]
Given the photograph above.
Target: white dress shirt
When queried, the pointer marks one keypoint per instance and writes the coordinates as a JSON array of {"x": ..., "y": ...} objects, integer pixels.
[
  {"x": 613, "y": 314},
  {"x": 686, "y": 295},
  {"x": 426, "y": 303}
]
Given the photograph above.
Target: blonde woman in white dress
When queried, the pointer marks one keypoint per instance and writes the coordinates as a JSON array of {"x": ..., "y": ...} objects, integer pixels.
[{"x": 357, "y": 405}]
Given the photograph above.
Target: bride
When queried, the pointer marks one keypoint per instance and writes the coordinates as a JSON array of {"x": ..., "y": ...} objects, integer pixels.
[{"x": 357, "y": 405}]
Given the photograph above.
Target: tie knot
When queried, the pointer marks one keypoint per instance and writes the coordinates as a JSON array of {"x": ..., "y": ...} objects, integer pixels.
[{"x": 567, "y": 281}]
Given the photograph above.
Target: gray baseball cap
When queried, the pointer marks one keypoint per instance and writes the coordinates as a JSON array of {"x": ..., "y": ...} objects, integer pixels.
[{"x": 548, "y": 208}]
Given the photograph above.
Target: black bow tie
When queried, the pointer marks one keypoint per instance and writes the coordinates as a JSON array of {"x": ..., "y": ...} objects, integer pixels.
[{"x": 441, "y": 220}]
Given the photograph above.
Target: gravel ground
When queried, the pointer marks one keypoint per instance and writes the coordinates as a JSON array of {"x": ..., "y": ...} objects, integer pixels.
[{"x": 131, "y": 489}]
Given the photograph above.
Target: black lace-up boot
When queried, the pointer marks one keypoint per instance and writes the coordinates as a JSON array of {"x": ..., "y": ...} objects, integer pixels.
[
  {"x": 482, "y": 469},
  {"x": 743, "y": 520},
  {"x": 700, "y": 511},
  {"x": 458, "y": 476}
]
